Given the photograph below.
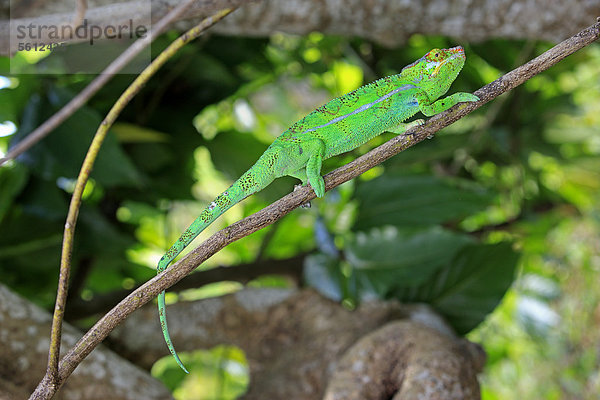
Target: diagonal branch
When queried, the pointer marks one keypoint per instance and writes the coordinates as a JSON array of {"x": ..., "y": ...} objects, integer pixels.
[{"x": 283, "y": 206}]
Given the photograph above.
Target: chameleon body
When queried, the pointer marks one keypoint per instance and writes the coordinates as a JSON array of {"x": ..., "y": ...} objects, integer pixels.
[{"x": 340, "y": 125}]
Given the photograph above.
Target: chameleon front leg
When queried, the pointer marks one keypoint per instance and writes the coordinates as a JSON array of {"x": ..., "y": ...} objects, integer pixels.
[
  {"x": 313, "y": 166},
  {"x": 313, "y": 172},
  {"x": 430, "y": 109}
]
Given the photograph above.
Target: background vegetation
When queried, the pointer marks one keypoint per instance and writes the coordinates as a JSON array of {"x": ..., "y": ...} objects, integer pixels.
[{"x": 494, "y": 222}]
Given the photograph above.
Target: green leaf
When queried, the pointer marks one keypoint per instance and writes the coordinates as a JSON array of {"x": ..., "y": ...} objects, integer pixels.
[
  {"x": 61, "y": 154},
  {"x": 44, "y": 199},
  {"x": 233, "y": 153},
  {"x": 394, "y": 199},
  {"x": 14, "y": 99},
  {"x": 131, "y": 133},
  {"x": 99, "y": 235},
  {"x": 12, "y": 181},
  {"x": 390, "y": 258},
  {"x": 471, "y": 286},
  {"x": 218, "y": 373},
  {"x": 7, "y": 106}
]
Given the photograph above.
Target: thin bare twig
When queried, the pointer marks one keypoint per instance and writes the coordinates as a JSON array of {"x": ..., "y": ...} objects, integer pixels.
[
  {"x": 280, "y": 208},
  {"x": 54, "y": 352}
]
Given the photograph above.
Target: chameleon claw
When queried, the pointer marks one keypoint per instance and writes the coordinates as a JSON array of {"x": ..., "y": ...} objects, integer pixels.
[{"x": 305, "y": 205}]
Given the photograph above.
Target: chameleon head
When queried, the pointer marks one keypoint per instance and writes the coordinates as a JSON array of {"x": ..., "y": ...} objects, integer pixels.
[{"x": 436, "y": 70}]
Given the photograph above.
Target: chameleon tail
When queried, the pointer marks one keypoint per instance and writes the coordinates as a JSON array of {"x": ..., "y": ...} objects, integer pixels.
[
  {"x": 246, "y": 185},
  {"x": 165, "y": 329}
]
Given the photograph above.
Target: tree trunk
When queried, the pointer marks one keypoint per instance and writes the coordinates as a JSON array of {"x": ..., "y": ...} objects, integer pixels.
[{"x": 300, "y": 345}]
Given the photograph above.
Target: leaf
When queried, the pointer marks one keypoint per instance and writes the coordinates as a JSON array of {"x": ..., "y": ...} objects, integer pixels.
[
  {"x": 99, "y": 235},
  {"x": 471, "y": 286},
  {"x": 7, "y": 107},
  {"x": 14, "y": 99},
  {"x": 132, "y": 133},
  {"x": 61, "y": 154},
  {"x": 44, "y": 199},
  {"x": 12, "y": 181},
  {"x": 323, "y": 273},
  {"x": 234, "y": 153},
  {"x": 347, "y": 76},
  {"x": 390, "y": 258},
  {"x": 394, "y": 199}
]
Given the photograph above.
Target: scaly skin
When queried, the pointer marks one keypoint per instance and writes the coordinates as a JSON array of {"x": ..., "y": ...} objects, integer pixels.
[{"x": 341, "y": 125}]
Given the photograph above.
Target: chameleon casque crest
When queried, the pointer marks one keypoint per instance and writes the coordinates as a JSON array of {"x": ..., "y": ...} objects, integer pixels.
[{"x": 341, "y": 125}]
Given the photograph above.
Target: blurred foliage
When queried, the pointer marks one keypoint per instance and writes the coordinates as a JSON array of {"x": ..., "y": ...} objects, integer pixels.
[
  {"x": 216, "y": 374},
  {"x": 513, "y": 187}
]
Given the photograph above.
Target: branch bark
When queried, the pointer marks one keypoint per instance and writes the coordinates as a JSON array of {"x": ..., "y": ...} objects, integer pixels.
[
  {"x": 406, "y": 360},
  {"x": 297, "y": 337},
  {"x": 103, "y": 375},
  {"x": 389, "y": 22},
  {"x": 104, "y": 14},
  {"x": 283, "y": 206}
]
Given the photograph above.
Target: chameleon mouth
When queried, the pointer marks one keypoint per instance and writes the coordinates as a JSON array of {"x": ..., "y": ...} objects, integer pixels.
[{"x": 437, "y": 69}]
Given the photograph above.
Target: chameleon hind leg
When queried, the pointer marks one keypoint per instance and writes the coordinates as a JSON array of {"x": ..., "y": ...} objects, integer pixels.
[
  {"x": 316, "y": 148},
  {"x": 313, "y": 172}
]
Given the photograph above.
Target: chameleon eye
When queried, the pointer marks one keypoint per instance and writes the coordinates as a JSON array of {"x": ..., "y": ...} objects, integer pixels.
[{"x": 434, "y": 54}]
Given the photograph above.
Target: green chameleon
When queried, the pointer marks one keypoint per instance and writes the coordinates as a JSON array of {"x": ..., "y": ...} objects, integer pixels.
[{"x": 340, "y": 125}]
